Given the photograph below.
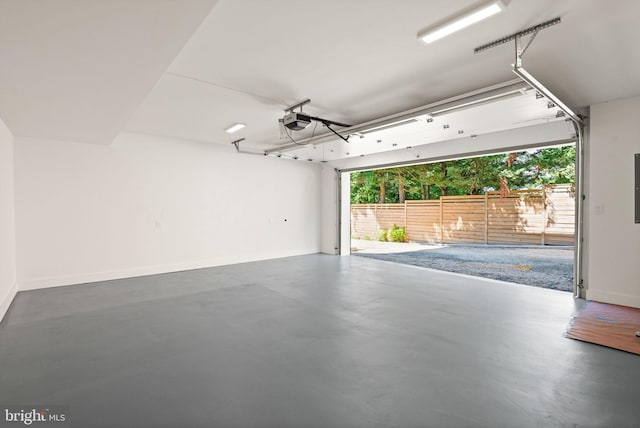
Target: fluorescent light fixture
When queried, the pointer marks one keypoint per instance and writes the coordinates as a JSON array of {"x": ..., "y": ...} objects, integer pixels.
[
  {"x": 462, "y": 21},
  {"x": 235, "y": 127}
]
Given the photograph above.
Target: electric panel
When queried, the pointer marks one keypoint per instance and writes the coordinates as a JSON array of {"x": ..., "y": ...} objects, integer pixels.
[
  {"x": 637, "y": 192},
  {"x": 637, "y": 189}
]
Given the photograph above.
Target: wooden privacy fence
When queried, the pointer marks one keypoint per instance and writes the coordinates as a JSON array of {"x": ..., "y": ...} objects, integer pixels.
[{"x": 545, "y": 216}]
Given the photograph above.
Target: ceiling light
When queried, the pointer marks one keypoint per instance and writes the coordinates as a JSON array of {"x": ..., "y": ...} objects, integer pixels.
[
  {"x": 235, "y": 127},
  {"x": 462, "y": 21}
]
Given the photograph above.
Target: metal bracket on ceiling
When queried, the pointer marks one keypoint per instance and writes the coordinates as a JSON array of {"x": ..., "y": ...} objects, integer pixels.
[
  {"x": 299, "y": 105},
  {"x": 236, "y": 144},
  {"x": 531, "y": 30},
  {"x": 521, "y": 50}
]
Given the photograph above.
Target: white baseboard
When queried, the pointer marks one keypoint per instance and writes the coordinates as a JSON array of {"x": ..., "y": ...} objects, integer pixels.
[
  {"x": 60, "y": 281},
  {"x": 614, "y": 298},
  {"x": 4, "y": 305}
]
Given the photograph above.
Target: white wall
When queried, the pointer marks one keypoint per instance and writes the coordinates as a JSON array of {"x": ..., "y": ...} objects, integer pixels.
[
  {"x": 7, "y": 236},
  {"x": 148, "y": 205},
  {"x": 613, "y": 237}
]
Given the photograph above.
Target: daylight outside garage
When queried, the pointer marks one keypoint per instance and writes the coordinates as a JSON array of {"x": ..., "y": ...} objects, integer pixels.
[{"x": 508, "y": 216}]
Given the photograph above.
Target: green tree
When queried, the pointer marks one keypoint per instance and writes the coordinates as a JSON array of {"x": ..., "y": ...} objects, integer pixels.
[
  {"x": 363, "y": 188},
  {"x": 472, "y": 176}
]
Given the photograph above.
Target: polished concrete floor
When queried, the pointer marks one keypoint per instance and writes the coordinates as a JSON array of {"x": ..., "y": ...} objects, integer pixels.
[{"x": 311, "y": 341}]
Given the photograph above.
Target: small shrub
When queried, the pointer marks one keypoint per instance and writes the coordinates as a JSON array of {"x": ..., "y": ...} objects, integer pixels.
[
  {"x": 381, "y": 235},
  {"x": 396, "y": 234},
  {"x": 366, "y": 238}
]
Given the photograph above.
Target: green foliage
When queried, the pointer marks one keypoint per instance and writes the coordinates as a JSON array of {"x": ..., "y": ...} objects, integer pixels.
[
  {"x": 381, "y": 235},
  {"x": 473, "y": 176},
  {"x": 366, "y": 238},
  {"x": 396, "y": 234},
  {"x": 363, "y": 187}
]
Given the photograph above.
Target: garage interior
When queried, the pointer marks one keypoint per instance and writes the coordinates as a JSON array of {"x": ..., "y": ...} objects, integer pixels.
[{"x": 158, "y": 270}]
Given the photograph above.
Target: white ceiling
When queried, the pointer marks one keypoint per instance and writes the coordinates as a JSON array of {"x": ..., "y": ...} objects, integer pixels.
[
  {"x": 78, "y": 69},
  {"x": 357, "y": 60}
]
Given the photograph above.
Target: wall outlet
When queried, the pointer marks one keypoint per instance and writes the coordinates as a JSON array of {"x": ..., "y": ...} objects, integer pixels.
[{"x": 599, "y": 209}]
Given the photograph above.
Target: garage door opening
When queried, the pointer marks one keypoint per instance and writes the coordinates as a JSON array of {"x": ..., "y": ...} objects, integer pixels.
[{"x": 507, "y": 216}]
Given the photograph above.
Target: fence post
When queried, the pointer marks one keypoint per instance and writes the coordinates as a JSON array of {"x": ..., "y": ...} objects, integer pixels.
[
  {"x": 405, "y": 220},
  {"x": 486, "y": 218},
  {"x": 441, "y": 223},
  {"x": 544, "y": 214},
  {"x": 375, "y": 216}
]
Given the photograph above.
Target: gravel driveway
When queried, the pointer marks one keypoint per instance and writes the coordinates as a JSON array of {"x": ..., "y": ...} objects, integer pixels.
[{"x": 547, "y": 267}]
